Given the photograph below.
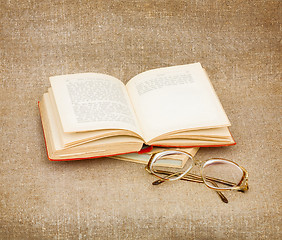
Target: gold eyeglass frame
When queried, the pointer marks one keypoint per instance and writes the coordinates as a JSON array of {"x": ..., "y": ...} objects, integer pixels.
[{"x": 242, "y": 186}]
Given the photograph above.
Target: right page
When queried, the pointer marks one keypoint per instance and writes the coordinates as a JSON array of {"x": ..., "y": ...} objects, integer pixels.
[{"x": 173, "y": 99}]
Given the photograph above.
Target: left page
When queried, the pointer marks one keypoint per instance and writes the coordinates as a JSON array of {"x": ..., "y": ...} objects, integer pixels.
[
  {"x": 77, "y": 138},
  {"x": 93, "y": 101},
  {"x": 100, "y": 147}
]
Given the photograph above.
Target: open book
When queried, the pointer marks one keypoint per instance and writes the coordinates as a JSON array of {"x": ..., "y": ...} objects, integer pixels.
[{"x": 90, "y": 115}]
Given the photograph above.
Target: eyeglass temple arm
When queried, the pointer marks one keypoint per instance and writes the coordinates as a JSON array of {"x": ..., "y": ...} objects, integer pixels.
[
  {"x": 220, "y": 194},
  {"x": 168, "y": 175},
  {"x": 192, "y": 178}
]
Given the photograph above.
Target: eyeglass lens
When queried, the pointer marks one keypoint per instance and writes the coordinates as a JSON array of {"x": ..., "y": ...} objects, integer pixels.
[
  {"x": 221, "y": 173},
  {"x": 172, "y": 166}
]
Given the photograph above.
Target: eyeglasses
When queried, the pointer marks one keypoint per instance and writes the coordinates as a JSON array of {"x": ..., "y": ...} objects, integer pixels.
[{"x": 216, "y": 173}]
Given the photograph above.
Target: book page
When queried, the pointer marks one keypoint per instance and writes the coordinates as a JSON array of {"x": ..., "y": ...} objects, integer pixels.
[
  {"x": 175, "y": 98},
  {"x": 101, "y": 147},
  {"x": 70, "y": 139},
  {"x": 92, "y": 101}
]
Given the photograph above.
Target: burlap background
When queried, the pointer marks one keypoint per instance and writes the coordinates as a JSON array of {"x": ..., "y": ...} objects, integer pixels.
[{"x": 238, "y": 42}]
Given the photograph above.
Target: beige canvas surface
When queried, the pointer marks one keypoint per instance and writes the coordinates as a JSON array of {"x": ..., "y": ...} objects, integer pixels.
[{"x": 238, "y": 43}]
